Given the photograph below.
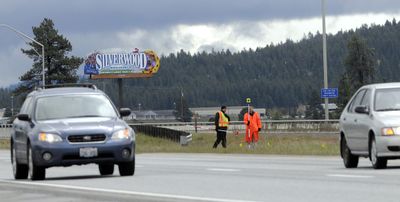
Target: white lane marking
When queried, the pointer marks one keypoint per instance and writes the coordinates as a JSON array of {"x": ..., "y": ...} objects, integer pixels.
[
  {"x": 223, "y": 169},
  {"x": 134, "y": 193},
  {"x": 349, "y": 176}
]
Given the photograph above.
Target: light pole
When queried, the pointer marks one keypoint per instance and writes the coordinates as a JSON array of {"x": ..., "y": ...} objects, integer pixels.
[
  {"x": 182, "y": 104},
  {"x": 325, "y": 60},
  {"x": 26, "y": 36}
]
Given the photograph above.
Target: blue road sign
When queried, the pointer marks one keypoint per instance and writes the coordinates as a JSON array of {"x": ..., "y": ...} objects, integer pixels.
[{"x": 329, "y": 93}]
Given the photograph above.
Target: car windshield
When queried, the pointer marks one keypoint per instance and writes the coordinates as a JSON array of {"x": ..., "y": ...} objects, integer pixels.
[
  {"x": 73, "y": 106},
  {"x": 387, "y": 99}
]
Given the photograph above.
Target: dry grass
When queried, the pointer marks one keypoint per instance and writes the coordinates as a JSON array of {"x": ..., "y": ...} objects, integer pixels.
[
  {"x": 299, "y": 144},
  {"x": 4, "y": 144},
  {"x": 272, "y": 144}
]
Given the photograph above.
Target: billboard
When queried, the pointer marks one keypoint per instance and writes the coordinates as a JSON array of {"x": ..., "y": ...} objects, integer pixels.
[{"x": 122, "y": 65}]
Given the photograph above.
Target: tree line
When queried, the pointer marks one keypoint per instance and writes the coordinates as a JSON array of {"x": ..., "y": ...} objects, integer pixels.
[{"x": 283, "y": 75}]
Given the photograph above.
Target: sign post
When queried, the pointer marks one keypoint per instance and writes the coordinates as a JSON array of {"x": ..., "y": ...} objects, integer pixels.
[
  {"x": 248, "y": 101},
  {"x": 324, "y": 57}
]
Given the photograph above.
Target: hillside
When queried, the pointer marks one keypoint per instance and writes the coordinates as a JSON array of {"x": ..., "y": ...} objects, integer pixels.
[
  {"x": 281, "y": 75},
  {"x": 277, "y": 75}
]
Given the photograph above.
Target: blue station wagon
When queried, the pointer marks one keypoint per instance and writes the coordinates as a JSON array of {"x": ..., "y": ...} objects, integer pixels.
[{"x": 67, "y": 126}]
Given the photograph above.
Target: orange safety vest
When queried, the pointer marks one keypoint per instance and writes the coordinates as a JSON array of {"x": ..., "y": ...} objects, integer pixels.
[{"x": 223, "y": 120}]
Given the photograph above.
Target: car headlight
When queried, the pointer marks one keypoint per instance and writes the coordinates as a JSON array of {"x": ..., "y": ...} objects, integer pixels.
[
  {"x": 49, "y": 137},
  {"x": 121, "y": 134},
  {"x": 390, "y": 131}
]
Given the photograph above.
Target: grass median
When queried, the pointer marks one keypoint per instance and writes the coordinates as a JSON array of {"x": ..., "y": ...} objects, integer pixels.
[{"x": 282, "y": 144}]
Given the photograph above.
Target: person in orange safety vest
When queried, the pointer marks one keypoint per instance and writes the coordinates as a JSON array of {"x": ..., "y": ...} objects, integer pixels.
[
  {"x": 253, "y": 126},
  {"x": 221, "y": 126}
]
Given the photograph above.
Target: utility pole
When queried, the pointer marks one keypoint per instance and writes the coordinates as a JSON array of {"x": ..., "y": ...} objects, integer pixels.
[
  {"x": 325, "y": 60},
  {"x": 182, "y": 104}
]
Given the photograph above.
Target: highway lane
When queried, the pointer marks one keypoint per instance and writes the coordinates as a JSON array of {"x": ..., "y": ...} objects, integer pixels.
[{"x": 211, "y": 177}]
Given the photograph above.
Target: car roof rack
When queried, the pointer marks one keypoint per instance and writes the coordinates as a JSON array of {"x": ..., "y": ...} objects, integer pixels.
[{"x": 87, "y": 85}]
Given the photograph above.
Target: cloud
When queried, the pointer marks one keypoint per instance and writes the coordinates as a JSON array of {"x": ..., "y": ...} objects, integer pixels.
[
  {"x": 346, "y": 7},
  {"x": 101, "y": 15},
  {"x": 167, "y": 26},
  {"x": 13, "y": 65},
  {"x": 207, "y": 37},
  {"x": 241, "y": 34}
]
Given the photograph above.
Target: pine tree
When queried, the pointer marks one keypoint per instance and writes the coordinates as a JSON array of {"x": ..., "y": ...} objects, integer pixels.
[
  {"x": 277, "y": 76},
  {"x": 360, "y": 69},
  {"x": 60, "y": 67},
  {"x": 344, "y": 91},
  {"x": 359, "y": 63},
  {"x": 314, "y": 110}
]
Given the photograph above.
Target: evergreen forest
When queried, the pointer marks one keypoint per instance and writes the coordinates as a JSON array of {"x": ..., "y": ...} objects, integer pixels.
[{"x": 283, "y": 75}]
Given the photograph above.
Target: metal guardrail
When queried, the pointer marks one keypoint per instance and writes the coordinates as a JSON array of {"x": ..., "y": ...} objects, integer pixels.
[
  {"x": 5, "y": 131},
  {"x": 186, "y": 139},
  {"x": 239, "y": 122},
  {"x": 175, "y": 135},
  {"x": 271, "y": 126},
  {"x": 178, "y": 136}
]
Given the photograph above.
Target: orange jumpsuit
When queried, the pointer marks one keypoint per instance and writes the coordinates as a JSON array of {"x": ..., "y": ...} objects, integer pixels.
[{"x": 253, "y": 127}]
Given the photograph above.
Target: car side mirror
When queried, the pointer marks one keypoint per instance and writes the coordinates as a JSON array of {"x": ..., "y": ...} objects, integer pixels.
[
  {"x": 124, "y": 112},
  {"x": 23, "y": 117},
  {"x": 362, "y": 110}
]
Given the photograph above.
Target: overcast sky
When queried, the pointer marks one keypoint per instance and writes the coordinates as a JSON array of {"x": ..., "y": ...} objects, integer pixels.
[{"x": 167, "y": 26}]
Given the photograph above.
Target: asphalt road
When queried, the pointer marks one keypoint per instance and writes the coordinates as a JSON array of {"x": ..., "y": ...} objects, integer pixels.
[{"x": 211, "y": 177}]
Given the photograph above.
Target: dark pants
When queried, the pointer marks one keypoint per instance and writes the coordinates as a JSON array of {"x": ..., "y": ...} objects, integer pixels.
[{"x": 221, "y": 136}]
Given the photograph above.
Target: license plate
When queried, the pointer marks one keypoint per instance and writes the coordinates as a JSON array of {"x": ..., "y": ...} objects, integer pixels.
[{"x": 88, "y": 152}]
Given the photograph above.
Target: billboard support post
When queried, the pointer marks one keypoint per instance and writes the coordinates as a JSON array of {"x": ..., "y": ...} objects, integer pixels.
[
  {"x": 133, "y": 64},
  {"x": 120, "y": 93}
]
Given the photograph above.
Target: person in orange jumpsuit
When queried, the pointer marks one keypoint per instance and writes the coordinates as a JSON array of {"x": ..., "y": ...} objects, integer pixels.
[{"x": 253, "y": 126}]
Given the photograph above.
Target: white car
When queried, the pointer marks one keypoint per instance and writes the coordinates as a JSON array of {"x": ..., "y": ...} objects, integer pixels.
[{"x": 370, "y": 125}]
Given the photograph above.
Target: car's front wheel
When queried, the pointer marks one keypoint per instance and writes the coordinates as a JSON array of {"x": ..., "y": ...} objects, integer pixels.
[
  {"x": 349, "y": 160},
  {"x": 35, "y": 172},
  {"x": 106, "y": 169},
  {"x": 20, "y": 171},
  {"x": 127, "y": 168},
  {"x": 377, "y": 162}
]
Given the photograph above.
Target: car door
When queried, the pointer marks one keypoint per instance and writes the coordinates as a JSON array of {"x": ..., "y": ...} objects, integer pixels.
[
  {"x": 21, "y": 128},
  {"x": 363, "y": 123},
  {"x": 349, "y": 121}
]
